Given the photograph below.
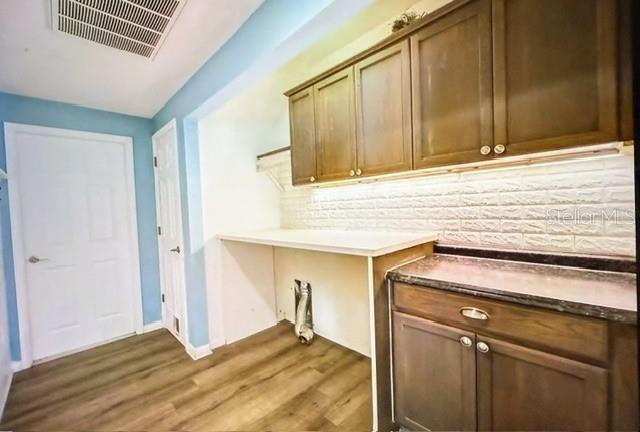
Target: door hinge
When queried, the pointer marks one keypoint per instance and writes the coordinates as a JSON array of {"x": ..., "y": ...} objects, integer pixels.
[
  {"x": 162, "y": 298},
  {"x": 159, "y": 230},
  {"x": 155, "y": 161}
]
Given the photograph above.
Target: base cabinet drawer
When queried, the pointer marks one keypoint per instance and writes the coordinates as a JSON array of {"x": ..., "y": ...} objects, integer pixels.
[
  {"x": 446, "y": 378},
  {"x": 574, "y": 336}
]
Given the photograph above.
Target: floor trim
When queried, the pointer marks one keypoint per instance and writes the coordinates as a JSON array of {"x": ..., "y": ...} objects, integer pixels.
[
  {"x": 18, "y": 365},
  {"x": 217, "y": 343},
  {"x": 153, "y": 326},
  {"x": 197, "y": 353},
  {"x": 4, "y": 396}
]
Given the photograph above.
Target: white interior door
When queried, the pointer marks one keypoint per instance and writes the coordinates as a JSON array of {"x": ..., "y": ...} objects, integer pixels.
[
  {"x": 75, "y": 237},
  {"x": 169, "y": 216}
]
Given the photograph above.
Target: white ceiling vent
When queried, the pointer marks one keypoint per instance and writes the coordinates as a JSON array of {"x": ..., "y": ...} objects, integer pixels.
[{"x": 136, "y": 26}]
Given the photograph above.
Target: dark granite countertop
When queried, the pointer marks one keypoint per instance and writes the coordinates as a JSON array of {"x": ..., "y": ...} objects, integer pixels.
[{"x": 602, "y": 294}]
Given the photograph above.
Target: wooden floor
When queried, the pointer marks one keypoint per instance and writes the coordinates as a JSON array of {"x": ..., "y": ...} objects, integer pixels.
[{"x": 148, "y": 383}]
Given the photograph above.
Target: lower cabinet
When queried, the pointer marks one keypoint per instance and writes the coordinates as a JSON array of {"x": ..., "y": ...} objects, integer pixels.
[
  {"x": 447, "y": 378},
  {"x": 435, "y": 375},
  {"x": 524, "y": 389}
]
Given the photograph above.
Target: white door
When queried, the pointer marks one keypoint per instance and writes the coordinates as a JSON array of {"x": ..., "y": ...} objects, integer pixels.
[
  {"x": 75, "y": 238},
  {"x": 169, "y": 216}
]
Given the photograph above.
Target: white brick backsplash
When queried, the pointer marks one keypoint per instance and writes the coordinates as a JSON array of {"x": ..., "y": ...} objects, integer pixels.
[
  {"x": 579, "y": 206},
  {"x": 576, "y": 196},
  {"x": 620, "y": 194},
  {"x": 461, "y": 237},
  {"x": 606, "y": 245},
  {"x": 523, "y": 198},
  {"x": 523, "y": 226},
  {"x": 576, "y": 227},
  {"x": 489, "y": 225},
  {"x": 620, "y": 228},
  {"x": 548, "y": 242},
  {"x": 507, "y": 240}
]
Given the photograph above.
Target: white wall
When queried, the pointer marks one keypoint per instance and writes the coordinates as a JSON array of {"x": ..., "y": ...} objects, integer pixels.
[
  {"x": 5, "y": 356},
  {"x": 339, "y": 292},
  {"x": 235, "y": 197}
]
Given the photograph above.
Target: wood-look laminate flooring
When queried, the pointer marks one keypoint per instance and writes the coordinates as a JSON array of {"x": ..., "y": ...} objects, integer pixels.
[{"x": 148, "y": 383}]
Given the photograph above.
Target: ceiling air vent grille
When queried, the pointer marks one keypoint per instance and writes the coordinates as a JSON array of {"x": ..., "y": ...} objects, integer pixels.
[{"x": 136, "y": 26}]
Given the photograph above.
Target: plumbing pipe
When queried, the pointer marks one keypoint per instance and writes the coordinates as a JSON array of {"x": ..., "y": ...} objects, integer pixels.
[{"x": 303, "y": 328}]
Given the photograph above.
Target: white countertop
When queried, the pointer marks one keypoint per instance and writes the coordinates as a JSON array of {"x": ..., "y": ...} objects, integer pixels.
[{"x": 360, "y": 243}]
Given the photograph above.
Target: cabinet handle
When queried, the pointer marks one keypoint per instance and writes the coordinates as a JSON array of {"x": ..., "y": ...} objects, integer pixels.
[
  {"x": 474, "y": 313},
  {"x": 482, "y": 347},
  {"x": 499, "y": 149},
  {"x": 485, "y": 150},
  {"x": 466, "y": 341},
  {"x": 312, "y": 179},
  {"x": 358, "y": 171},
  {"x": 352, "y": 173}
]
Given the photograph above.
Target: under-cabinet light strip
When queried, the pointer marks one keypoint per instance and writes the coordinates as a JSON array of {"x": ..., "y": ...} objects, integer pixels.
[{"x": 505, "y": 162}]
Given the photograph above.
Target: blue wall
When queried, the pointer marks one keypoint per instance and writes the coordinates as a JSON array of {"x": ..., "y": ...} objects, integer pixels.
[
  {"x": 270, "y": 25},
  {"x": 18, "y": 109}
]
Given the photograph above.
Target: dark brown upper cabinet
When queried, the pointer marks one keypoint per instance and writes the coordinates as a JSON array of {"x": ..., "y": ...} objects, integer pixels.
[
  {"x": 435, "y": 375},
  {"x": 625, "y": 72},
  {"x": 555, "y": 73},
  {"x": 335, "y": 126},
  {"x": 524, "y": 389},
  {"x": 383, "y": 111},
  {"x": 452, "y": 87},
  {"x": 473, "y": 80},
  {"x": 303, "y": 137}
]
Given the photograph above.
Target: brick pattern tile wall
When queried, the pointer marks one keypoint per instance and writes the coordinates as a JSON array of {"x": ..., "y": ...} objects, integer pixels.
[{"x": 579, "y": 206}]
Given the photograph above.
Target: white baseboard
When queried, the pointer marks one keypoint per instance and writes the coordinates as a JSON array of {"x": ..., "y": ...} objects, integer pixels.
[
  {"x": 216, "y": 343},
  {"x": 197, "y": 353},
  {"x": 148, "y": 328},
  {"x": 17, "y": 366},
  {"x": 4, "y": 392}
]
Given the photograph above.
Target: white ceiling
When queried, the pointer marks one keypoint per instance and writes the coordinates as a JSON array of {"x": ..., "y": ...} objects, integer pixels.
[{"x": 36, "y": 61}]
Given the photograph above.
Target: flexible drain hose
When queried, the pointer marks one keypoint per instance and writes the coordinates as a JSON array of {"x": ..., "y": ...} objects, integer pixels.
[{"x": 302, "y": 328}]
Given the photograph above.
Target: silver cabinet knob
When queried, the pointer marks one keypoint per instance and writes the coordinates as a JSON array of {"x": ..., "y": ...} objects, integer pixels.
[
  {"x": 499, "y": 149},
  {"x": 352, "y": 173},
  {"x": 35, "y": 260},
  {"x": 312, "y": 179},
  {"x": 358, "y": 171},
  {"x": 175, "y": 249},
  {"x": 466, "y": 341},
  {"x": 485, "y": 150},
  {"x": 474, "y": 313},
  {"x": 482, "y": 347}
]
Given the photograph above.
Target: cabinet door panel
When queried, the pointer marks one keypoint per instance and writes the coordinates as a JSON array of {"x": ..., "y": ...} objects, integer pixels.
[
  {"x": 524, "y": 389},
  {"x": 435, "y": 382},
  {"x": 555, "y": 73},
  {"x": 383, "y": 111},
  {"x": 625, "y": 73},
  {"x": 303, "y": 137},
  {"x": 335, "y": 125},
  {"x": 452, "y": 87}
]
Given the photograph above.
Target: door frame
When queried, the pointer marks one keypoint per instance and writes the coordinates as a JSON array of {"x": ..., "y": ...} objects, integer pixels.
[
  {"x": 10, "y": 132},
  {"x": 172, "y": 124}
]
